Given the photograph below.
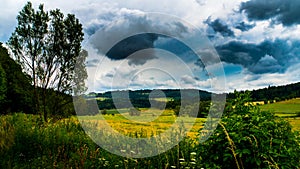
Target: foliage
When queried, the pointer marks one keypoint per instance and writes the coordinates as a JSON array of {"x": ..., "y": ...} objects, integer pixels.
[
  {"x": 250, "y": 138},
  {"x": 47, "y": 45},
  {"x": 245, "y": 138},
  {"x": 17, "y": 86},
  {"x": 191, "y": 110},
  {"x": 277, "y": 93},
  {"x": 63, "y": 144},
  {"x": 2, "y": 85}
]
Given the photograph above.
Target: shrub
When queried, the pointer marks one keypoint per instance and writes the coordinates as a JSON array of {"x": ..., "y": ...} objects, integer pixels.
[{"x": 250, "y": 138}]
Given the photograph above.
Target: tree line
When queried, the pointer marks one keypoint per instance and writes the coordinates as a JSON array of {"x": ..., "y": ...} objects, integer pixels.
[{"x": 271, "y": 93}]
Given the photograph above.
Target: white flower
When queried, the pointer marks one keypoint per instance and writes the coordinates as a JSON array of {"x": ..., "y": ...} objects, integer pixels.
[{"x": 193, "y": 153}]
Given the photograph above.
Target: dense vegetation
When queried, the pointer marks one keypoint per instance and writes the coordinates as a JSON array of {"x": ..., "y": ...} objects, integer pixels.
[
  {"x": 16, "y": 91},
  {"x": 140, "y": 98},
  {"x": 245, "y": 138},
  {"x": 277, "y": 93},
  {"x": 15, "y": 88}
]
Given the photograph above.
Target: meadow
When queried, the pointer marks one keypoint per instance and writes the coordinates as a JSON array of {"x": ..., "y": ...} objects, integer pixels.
[
  {"x": 238, "y": 142},
  {"x": 289, "y": 109},
  {"x": 151, "y": 122},
  {"x": 283, "y": 108}
]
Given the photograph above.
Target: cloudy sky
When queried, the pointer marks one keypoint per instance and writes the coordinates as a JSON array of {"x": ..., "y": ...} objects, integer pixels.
[{"x": 215, "y": 45}]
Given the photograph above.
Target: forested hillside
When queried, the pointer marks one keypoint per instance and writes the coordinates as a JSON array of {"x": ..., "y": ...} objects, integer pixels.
[
  {"x": 16, "y": 91},
  {"x": 277, "y": 93},
  {"x": 14, "y": 86}
]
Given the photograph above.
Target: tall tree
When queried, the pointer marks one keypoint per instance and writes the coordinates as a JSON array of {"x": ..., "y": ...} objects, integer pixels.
[{"x": 48, "y": 46}]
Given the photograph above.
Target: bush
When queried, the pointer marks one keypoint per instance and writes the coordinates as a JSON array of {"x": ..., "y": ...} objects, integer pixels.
[{"x": 250, "y": 138}]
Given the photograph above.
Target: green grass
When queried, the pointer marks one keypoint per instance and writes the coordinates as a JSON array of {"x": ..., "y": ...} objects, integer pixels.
[
  {"x": 283, "y": 108},
  {"x": 295, "y": 122},
  {"x": 288, "y": 109},
  {"x": 27, "y": 143}
]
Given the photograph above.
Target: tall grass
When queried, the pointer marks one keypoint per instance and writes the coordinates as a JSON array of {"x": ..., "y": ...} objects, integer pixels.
[{"x": 25, "y": 142}]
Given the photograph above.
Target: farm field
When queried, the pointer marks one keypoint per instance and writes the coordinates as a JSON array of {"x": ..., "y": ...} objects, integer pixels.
[
  {"x": 150, "y": 122},
  {"x": 286, "y": 108},
  {"x": 154, "y": 122},
  {"x": 295, "y": 122}
]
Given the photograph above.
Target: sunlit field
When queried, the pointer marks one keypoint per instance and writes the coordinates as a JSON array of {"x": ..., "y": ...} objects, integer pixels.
[
  {"x": 150, "y": 122},
  {"x": 295, "y": 122},
  {"x": 283, "y": 108}
]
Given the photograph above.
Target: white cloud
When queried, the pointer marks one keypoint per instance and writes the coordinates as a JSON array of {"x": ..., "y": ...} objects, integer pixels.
[
  {"x": 248, "y": 81},
  {"x": 120, "y": 18}
]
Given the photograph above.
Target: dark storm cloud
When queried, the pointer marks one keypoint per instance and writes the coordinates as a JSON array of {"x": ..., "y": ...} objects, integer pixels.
[
  {"x": 130, "y": 45},
  {"x": 244, "y": 26},
  {"x": 220, "y": 27},
  {"x": 172, "y": 45},
  {"x": 266, "y": 57},
  {"x": 120, "y": 35},
  {"x": 266, "y": 64},
  {"x": 179, "y": 49},
  {"x": 280, "y": 11}
]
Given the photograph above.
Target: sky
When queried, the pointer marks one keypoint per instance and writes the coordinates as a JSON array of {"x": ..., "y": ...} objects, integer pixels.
[{"x": 214, "y": 45}]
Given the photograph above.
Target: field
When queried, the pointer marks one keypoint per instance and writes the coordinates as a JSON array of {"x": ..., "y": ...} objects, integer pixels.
[
  {"x": 154, "y": 121},
  {"x": 64, "y": 144},
  {"x": 288, "y": 109},
  {"x": 150, "y": 122},
  {"x": 284, "y": 108}
]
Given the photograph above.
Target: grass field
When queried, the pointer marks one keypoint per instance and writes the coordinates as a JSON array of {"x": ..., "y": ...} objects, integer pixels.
[
  {"x": 287, "y": 108},
  {"x": 295, "y": 122},
  {"x": 154, "y": 121},
  {"x": 64, "y": 144},
  {"x": 150, "y": 122}
]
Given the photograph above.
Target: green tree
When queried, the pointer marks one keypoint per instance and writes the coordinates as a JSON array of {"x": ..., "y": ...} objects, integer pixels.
[
  {"x": 18, "y": 94},
  {"x": 48, "y": 46},
  {"x": 2, "y": 86}
]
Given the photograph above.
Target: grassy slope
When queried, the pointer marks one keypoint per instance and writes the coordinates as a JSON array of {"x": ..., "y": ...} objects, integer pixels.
[
  {"x": 284, "y": 107},
  {"x": 287, "y": 108}
]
